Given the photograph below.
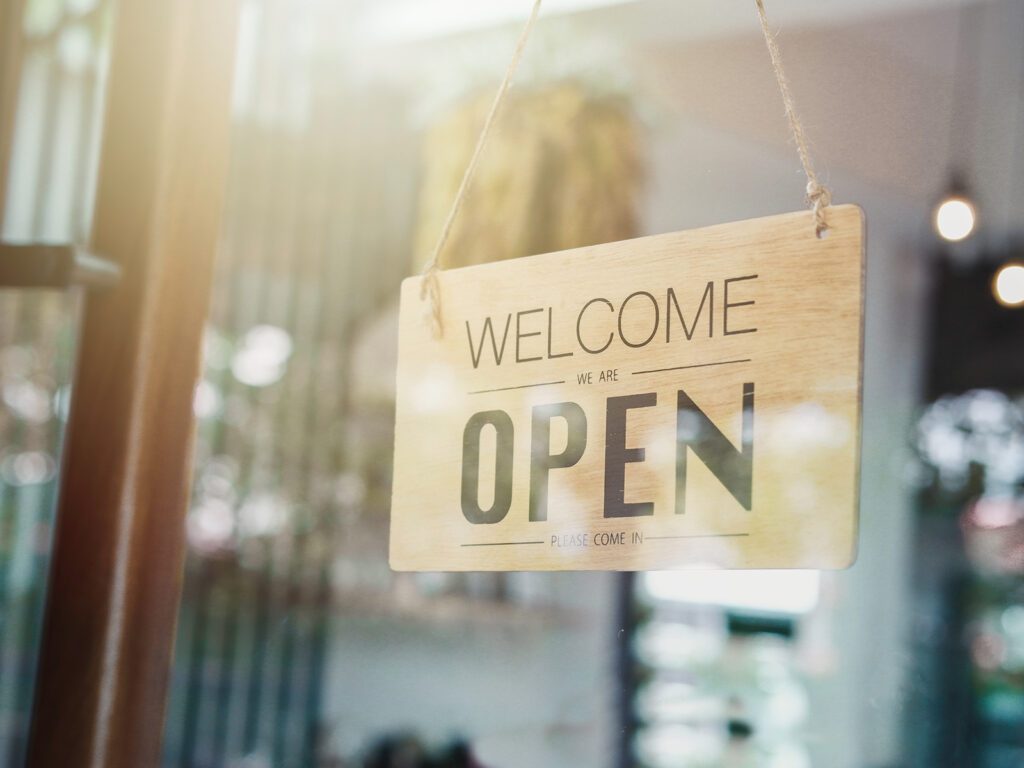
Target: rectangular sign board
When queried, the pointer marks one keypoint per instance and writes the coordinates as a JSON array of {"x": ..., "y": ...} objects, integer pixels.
[{"x": 683, "y": 400}]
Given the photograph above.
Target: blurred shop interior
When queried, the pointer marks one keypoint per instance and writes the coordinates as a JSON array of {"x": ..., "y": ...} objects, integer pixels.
[{"x": 352, "y": 122}]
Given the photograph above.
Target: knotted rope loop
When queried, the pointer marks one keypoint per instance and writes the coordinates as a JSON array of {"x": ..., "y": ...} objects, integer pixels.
[
  {"x": 818, "y": 196},
  {"x": 430, "y": 288}
]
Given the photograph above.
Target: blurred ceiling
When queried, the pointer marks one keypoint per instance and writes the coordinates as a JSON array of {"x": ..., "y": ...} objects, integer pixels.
[
  {"x": 410, "y": 20},
  {"x": 878, "y": 95},
  {"x": 883, "y": 92}
]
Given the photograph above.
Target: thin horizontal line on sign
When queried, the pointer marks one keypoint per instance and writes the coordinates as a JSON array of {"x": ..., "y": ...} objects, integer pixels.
[
  {"x": 521, "y": 386},
  {"x": 500, "y": 543},
  {"x": 698, "y": 365},
  {"x": 699, "y": 536}
]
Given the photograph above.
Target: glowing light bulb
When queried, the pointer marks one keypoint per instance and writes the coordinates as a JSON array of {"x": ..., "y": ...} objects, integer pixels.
[
  {"x": 954, "y": 218},
  {"x": 1008, "y": 285}
]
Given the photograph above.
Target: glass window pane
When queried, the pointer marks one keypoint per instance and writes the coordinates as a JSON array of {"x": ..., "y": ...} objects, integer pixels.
[{"x": 352, "y": 123}]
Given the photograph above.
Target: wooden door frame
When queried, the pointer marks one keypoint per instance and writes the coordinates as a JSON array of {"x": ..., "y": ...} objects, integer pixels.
[
  {"x": 116, "y": 569},
  {"x": 10, "y": 83}
]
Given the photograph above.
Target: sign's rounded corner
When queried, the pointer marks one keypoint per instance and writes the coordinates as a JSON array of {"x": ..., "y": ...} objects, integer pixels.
[{"x": 850, "y": 559}]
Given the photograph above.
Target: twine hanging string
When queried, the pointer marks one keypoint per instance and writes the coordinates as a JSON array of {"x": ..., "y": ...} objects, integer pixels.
[
  {"x": 431, "y": 286},
  {"x": 818, "y": 196}
]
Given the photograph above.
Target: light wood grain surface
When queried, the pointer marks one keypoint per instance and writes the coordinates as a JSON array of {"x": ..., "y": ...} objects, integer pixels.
[{"x": 762, "y": 307}]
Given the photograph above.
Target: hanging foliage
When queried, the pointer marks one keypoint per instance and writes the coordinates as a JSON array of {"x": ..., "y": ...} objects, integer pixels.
[{"x": 562, "y": 170}]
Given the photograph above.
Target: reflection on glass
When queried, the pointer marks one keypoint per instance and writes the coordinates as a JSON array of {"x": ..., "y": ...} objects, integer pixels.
[
  {"x": 36, "y": 352},
  {"x": 48, "y": 191},
  {"x": 725, "y": 668},
  {"x": 297, "y": 644}
]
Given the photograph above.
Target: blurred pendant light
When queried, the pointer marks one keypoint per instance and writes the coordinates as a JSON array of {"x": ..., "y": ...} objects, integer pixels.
[
  {"x": 955, "y": 216},
  {"x": 1008, "y": 282},
  {"x": 1008, "y": 285}
]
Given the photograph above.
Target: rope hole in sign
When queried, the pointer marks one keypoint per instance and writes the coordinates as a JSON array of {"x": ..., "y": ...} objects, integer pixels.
[{"x": 818, "y": 196}]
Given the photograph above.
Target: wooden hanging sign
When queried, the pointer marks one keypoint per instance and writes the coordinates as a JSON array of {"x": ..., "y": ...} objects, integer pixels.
[{"x": 683, "y": 400}]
